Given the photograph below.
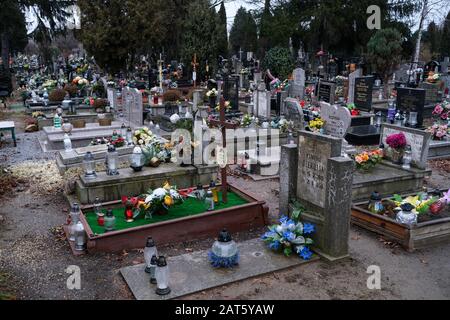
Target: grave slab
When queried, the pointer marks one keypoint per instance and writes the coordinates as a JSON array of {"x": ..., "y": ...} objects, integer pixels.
[
  {"x": 439, "y": 150},
  {"x": 191, "y": 273}
]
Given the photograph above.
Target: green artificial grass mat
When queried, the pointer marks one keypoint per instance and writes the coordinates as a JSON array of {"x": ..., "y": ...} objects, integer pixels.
[{"x": 190, "y": 207}]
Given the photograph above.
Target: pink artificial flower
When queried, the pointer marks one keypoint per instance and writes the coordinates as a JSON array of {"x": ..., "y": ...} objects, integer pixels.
[
  {"x": 444, "y": 116},
  {"x": 438, "y": 110},
  {"x": 396, "y": 141}
]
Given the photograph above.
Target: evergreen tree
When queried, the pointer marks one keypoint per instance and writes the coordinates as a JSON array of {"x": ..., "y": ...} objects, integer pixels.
[
  {"x": 243, "y": 33},
  {"x": 265, "y": 26},
  {"x": 222, "y": 39},
  {"x": 445, "y": 42},
  {"x": 199, "y": 37},
  {"x": 384, "y": 52}
]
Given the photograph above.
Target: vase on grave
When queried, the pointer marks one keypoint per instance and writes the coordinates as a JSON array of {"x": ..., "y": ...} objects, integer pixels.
[{"x": 397, "y": 155}]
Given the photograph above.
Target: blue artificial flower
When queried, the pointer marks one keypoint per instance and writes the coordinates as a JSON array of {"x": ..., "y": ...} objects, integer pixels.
[
  {"x": 268, "y": 235},
  {"x": 306, "y": 254},
  {"x": 284, "y": 219},
  {"x": 308, "y": 228},
  {"x": 275, "y": 245},
  {"x": 289, "y": 236}
]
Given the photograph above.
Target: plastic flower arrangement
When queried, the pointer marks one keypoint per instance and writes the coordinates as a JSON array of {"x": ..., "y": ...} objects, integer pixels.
[
  {"x": 353, "y": 110},
  {"x": 227, "y": 106},
  {"x": 49, "y": 84},
  {"x": 159, "y": 201},
  {"x": 368, "y": 159},
  {"x": 291, "y": 236},
  {"x": 38, "y": 114},
  {"x": 246, "y": 120},
  {"x": 316, "y": 125},
  {"x": 212, "y": 93},
  {"x": 442, "y": 111},
  {"x": 143, "y": 137},
  {"x": 396, "y": 141},
  {"x": 117, "y": 142},
  {"x": 439, "y": 131},
  {"x": 421, "y": 206},
  {"x": 282, "y": 124},
  {"x": 433, "y": 77},
  {"x": 80, "y": 82}
]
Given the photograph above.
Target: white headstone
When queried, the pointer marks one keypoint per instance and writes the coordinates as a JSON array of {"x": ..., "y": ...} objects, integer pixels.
[
  {"x": 299, "y": 77},
  {"x": 337, "y": 119},
  {"x": 112, "y": 97},
  {"x": 351, "y": 84},
  {"x": 261, "y": 103}
]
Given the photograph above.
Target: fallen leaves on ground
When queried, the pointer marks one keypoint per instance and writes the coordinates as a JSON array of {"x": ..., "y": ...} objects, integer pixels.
[{"x": 442, "y": 164}]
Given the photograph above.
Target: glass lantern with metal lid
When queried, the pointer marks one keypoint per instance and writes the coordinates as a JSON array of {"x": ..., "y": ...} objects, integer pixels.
[
  {"x": 412, "y": 121},
  {"x": 112, "y": 161},
  {"x": 407, "y": 158},
  {"x": 80, "y": 237},
  {"x": 129, "y": 136},
  {"x": 162, "y": 277},
  {"x": 378, "y": 119},
  {"x": 224, "y": 252},
  {"x": 406, "y": 215},
  {"x": 74, "y": 218},
  {"x": 67, "y": 143},
  {"x": 89, "y": 166},
  {"x": 110, "y": 221},
  {"x": 376, "y": 203},
  {"x": 153, "y": 264},
  {"x": 123, "y": 130},
  {"x": 137, "y": 159},
  {"x": 149, "y": 251}
]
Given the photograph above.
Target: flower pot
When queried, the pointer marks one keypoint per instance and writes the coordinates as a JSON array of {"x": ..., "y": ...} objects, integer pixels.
[
  {"x": 104, "y": 122},
  {"x": 79, "y": 123},
  {"x": 397, "y": 156}
]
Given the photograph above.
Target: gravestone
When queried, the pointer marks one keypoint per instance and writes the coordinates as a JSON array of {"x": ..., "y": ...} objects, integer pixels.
[
  {"x": 337, "y": 119},
  {"x": 112, "y": 98},
  {"x": 363, "y": 93},
  {"x": 351, "y": 85},
  {"x": 402, "y": 73},
  {"x": 409, "y": 99},
  {"x": 326, "y": 91},
  {"x": 231, "y": 91},
  {"x": 261, "y": 101},
  {"x": 419, "y": 141},
  {"x": 295, "y": 90},
  {"x": 280, "y": 99},
  {"x": 431, "y": 92},
  {"x": 133, "y": 107},
  {"x": 299, "y": 77},
  {"x": 315, "y": 175},
  {"x": 294, "y": 113}
]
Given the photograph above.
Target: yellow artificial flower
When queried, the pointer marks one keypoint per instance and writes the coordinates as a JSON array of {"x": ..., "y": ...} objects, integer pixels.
[{"x": 168, "y": 201}]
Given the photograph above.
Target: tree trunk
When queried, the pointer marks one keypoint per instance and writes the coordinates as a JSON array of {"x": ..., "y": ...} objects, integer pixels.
[{"x": 423, "y": 15}]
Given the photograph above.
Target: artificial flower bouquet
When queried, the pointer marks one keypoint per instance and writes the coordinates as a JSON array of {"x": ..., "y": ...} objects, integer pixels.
[
  {"x": 438, "y": 131},
  {"x": 38, "y": 114},
  {"x": 316, "y": 125},
  {"x": 227, "y": 106},
  {"x": 353, "y": 110},
  {"x": 80, "y": 82},
  {"x": 117, "y": 141},
  {"x": 160, "y": 200},
  {"x": 433, "y": 77},
  {"x": 442, "y": 111},
  {"x": 212, "y": 93},
  {"x": 143, "y": 137},
  {"x": 396, "y": 141},
  {"x": 49, "y": 84},
  {"x": 367, "y": 160},
  {"x": 246, "y": 120},
  {"x": 291, "y": 236}
]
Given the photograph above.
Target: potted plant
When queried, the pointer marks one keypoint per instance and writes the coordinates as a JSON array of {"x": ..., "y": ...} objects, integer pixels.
[{"x": 397, "y": 145}]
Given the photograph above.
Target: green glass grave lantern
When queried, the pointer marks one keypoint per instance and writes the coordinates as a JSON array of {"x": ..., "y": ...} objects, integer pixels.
[
  {"x": 149, "y": 251},
  {"x": 89, "y": 166},
  {"x": 162, "y": 277},
  {"x": 110, "y": 221},
  {"x": 112, "y": 161}
]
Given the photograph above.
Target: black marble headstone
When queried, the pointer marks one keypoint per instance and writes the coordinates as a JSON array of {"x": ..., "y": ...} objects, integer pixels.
[
  {"x": 363, "y": 93},
  {"x": 231, "y": 91},
  {"x": 409, "y": 99},
  {"x": 326, "y": 91}
]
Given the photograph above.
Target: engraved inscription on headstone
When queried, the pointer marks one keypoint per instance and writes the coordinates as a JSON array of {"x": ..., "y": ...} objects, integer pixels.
[
  {"x": 337, "y": 119},
  {"x": 363, "y": 93},
  {"x": 326, "y": 91},
  {"x": 294, "y": 113},
  {"x": 409, "y": 99}
]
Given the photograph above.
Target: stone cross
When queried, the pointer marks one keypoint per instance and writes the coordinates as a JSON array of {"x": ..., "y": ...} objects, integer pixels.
[
  {"x": 160, "y": 63},
  {"x": 194, "y": 64}
]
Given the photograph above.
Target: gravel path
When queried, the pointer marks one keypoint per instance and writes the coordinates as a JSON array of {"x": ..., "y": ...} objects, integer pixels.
[{"x": 34, "y": 255}]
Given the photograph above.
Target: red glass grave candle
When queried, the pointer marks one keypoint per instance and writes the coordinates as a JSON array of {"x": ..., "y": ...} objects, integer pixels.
[
  {"x": 437, "y": 207},
  {"x": 101, "y": 220}
]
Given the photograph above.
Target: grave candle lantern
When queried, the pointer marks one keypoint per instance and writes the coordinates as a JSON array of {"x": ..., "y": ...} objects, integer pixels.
[
  {"x": 89, "y": 166},
  {"x": 224, "y": 252},
  {"x": 67, "y": 127},
  {"x": 149, "y": 252},
  {"x": 407, "y": 158},
  {"x": 406, "y": 216},
  {"x": 80, "y": 237},
  {"x": 112, "y": 161},
  {"x": 375, "y": 203},
  {"x": 162, "y": 277},
  {"x": 413, "y": 119},
  {"x": 153, "y": 264},
  {"x": 110, "y": 221},
  {"x": 209, "y": 201},
  {"x": 123, "y": 130},
  {"x": 74, "y": 218},
  {"x": 129, "y": 136},
  {"x": 378, "y": 119},
  {"x": 137, "y": 159}
]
